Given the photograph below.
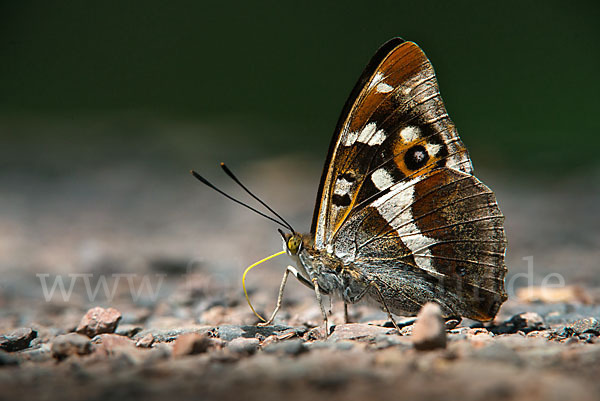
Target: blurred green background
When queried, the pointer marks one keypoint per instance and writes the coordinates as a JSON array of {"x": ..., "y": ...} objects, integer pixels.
[{"x": 190, "y": 83}]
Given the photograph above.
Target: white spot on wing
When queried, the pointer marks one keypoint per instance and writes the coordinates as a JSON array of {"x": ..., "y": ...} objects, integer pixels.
[
  {"x": 382, "y": 179},
  {"x": 384, "y": 88},
  {"x": 377, "y": 138},
  {"x": 342, "y": 187},
  {"x": 410, "y": 134},
  {"x": 432, "y": 148},
  {"x": 371, "y": 136},
  {"x": 379, "y": 85},
  {"x": 376, "y": 79},
  {"x": 395, "y": 208},
  {"x": 350, "y": 138},
  {"x": 366, "y": 133}
]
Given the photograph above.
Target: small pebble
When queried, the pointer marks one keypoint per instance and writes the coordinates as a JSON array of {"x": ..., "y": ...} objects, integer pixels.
[
  {"x": 241, "y": 345},
  {"x": 289, "y": 347},
  {"x": 111, "y": 341},
  {"x": 41, "y": 353},
  {"x": 17, "y": 340},
  {"x": 128, "y": 330},
  {"x": 527, "y": 322},
  {"x": 70, "y": 344},
  {"x": 190, "y": 344},
  {"x": 429, "y": 331},
  {"x": 146, "y": 341},
  {"x": 358, "y": 331},
  {"x": 589, "y": 338},
  {"x": 98, "y": 321}
]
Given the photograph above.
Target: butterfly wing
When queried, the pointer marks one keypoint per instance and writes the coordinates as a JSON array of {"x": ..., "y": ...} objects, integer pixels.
[
  {"x": 439, "y": 238},
  {"x": 394, "y": 127},
  {"x": 398, "y": 198}
]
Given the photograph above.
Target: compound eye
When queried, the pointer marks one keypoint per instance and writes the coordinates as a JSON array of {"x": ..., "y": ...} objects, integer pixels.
[{"x": 294, "y": 244}]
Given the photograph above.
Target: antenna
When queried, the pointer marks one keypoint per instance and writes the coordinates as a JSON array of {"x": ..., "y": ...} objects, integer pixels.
[
  {"x": 234, "y": 178},
  {"x": 210, "y": 185}
]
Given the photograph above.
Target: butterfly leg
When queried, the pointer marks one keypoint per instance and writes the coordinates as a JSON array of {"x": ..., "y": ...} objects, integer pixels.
[
  {"x": 346, "y": 317},
  {"x": 365, "y": 290},
  {"x": 288, "y": 270},
  {"x": 320, "y": 301},
  {"x": 374, "y": 285}
]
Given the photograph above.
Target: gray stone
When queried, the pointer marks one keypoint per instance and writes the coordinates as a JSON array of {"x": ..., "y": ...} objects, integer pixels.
[
  {"x": 243, "y": 345},
  {"x": 168, "y": 335},
  {"x": 384, "y": 341},
  {"x": 527, "y": 322},
  {"x": 429, "y": 332},
  {"x": 229, "y": 332},
  {"x": 39, "y": 354},
  {"x": 289, "y": 347},
  {"x": 128, "y": 330},
  {"x": 17, "y": 340},
  {"x": 70, "y": 344}
]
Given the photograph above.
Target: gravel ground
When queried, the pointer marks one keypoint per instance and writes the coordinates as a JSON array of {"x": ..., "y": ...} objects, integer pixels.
[{"x": 190, "y": 334}]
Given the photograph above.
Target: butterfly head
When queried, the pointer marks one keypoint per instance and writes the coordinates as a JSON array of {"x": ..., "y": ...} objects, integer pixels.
[{"x": 292, "y": 242}]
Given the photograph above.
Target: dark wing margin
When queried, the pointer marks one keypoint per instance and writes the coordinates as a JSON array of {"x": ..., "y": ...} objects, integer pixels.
[{"x": 367, "y": 73}]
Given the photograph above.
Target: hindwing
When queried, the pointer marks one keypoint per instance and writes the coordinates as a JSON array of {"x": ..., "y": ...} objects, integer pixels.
[{"x": 439, "y": 237}]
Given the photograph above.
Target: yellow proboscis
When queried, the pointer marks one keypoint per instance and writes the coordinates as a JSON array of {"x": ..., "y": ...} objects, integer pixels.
[{"x": 244, "y": 281}]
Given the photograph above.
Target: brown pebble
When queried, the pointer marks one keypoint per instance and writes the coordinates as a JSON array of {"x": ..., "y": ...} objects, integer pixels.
[
  {"x": 117, "y": 347},
  {"x": 146, "y": 341},
  {"x": 98, "y": 321},
  {"x": 111, "y": 340},
  {"x": 429, "y": 331},
  {"x": 190, "y": 344}
]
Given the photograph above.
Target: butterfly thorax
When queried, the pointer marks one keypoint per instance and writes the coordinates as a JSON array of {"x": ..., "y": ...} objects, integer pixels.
[{"x": 333, "y": 276}]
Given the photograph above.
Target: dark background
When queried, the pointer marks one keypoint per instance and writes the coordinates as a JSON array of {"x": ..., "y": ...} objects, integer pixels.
[
  {"x": 519, "y": 78},
  {"x": 105, "y": 106}
]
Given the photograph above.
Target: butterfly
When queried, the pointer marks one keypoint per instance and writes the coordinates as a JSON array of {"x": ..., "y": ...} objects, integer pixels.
[{"x": 400, "y": 220}]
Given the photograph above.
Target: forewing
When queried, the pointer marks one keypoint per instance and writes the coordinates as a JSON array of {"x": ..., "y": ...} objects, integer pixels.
[{"x": 394, "y": 128}]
